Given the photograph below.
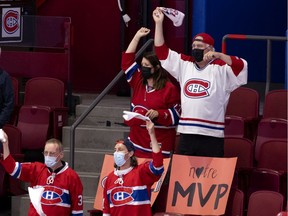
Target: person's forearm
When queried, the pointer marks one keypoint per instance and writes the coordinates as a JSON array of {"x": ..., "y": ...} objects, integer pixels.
[
  {"x": 159, "y": 37},
  {"x": 225, "y": 58},
  {"x": 133, "y": 44},
  {"x": 6, "y": 150},
  {"x": 154, "y": 143}
]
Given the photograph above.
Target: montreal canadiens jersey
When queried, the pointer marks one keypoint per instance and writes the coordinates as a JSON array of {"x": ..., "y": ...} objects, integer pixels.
[
  {"x": 63, "y": 190},
  {"x": 129, "y": 192},
  {"x": 204, "y": 92},
  {"x": 166, "y": 101}
]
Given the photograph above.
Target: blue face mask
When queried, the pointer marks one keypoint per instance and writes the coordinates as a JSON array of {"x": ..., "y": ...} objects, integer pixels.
[
  {"x": 119, "y": 158},
  {"x": 50, "y": 161}
]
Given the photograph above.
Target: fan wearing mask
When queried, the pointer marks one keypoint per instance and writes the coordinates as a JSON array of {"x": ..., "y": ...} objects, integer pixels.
[
  {"x": 63, "y": 190},
  {"x": 153, "y": 95},
  {"x": 127, "y": 190},
  {"x": 206, "y": 79}
]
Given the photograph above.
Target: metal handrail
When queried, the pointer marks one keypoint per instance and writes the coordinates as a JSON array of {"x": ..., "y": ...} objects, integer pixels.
[
  {"x": 96, "y": 101},
  {"x": 257, "y": 37}
]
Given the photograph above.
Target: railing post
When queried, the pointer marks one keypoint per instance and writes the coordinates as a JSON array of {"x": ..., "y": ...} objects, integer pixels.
[{"x": 268, "y": 58}]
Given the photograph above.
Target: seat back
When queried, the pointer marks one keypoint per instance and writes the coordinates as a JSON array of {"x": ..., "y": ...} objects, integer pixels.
[
  {"x": 264, "y": 179},
  {"x": 50, "y": 92},
  {"x": 15, "y": 84},
  {"x": 234, "y": 126},
  {"x": 238, "y": 97},
  {"x": 15, "y": 138},
  {"x": 14, "y": 116},
  {"x": 235, "y": 203},
  {"x": 44, "y": 91},
  {"x": 34, "y": 124},
  {"x": 265, "y": 203},
  {"x": 275, "y": 104},
  {"x": 270, "y": 129},
  {"x": 3, "y": 181},
  {"x": 242, "y": 113},
  {"x": 241, "y": 148},
  {"x": 273, "y": 155}
]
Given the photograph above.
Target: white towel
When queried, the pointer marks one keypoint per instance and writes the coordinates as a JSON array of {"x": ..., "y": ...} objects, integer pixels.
[
  {"x": 129, "y": 115},
  {"x": 174, "y": 15},
  {"x": 35, "y": 197},
  {"x": 2, "y": 138}
]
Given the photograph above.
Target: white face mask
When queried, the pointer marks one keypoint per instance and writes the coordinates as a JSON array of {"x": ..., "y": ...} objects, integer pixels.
[
  {"x": 119, "y": 158},
  {"x": 50, "y": 161}
]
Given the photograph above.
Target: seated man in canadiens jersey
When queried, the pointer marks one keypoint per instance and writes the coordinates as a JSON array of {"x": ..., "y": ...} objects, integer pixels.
[
  {"x": 127, "y": 190},
  {"x": 61, "y": 187}
]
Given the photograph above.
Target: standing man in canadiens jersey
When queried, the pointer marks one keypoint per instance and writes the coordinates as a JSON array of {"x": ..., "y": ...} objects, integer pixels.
[{"x": 206, "y": 78}]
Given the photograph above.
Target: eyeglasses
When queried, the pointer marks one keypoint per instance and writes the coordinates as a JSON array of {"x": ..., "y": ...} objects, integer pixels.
[{"x": 52, "y": 154}]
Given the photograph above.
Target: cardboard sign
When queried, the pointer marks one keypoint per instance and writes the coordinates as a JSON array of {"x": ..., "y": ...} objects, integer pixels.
[
  {"x": 108, "y": 167},
  {"x": 199, "y": 185}
]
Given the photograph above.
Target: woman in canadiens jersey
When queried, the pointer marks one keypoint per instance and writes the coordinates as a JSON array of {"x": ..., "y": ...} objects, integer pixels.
[
  {"x": 127, "y": 190},
  {"x": 154, "y": 95}
]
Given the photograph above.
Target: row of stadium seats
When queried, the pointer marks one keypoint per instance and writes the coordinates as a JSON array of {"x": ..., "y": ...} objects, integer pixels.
[{"x": 41, "y": 116}]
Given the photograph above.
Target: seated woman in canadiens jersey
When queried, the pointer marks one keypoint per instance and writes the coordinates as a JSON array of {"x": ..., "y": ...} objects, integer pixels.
[{"x": 127, "y": 190}]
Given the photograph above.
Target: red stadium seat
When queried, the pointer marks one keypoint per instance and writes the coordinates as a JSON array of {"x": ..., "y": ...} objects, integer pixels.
[
  {"x": 273, "y": 125},
  {"x": 50, "y": 92},
  {"x": 241, "y": 148},
  {"x": 264, "y": 179},
  {"x": 15, "y": 141},
  {"x": 234, "y": 126},
  {"x": 3, "y": 181},
  {"x": 44, "y": 91},
  {"x": 235, "y": 203},
  {"x": 34, "y": 124},
  {"x": 273, "y": 155},
  {"x": 241, "y": 120},
  {"x": 265, "y": 203},
  {"x": 14, "y": 115},
  {"x": 270, "y": 129},
  {"x": 275, "y": 104}
]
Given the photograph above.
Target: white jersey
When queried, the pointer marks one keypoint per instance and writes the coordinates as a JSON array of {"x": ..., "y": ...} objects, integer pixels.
[{"x": 204, "y": 92}]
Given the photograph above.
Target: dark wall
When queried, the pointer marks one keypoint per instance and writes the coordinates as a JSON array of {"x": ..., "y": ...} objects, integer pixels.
[
  {"x": 100, "y": 35},
  {"x": 246, "y": 17},
  {"x": 96, "y": 52}
]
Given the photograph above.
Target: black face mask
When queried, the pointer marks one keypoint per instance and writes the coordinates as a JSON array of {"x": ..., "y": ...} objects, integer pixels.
[
  {"x": 146, "y": 72},
  {"x": 198, "y": 54}
]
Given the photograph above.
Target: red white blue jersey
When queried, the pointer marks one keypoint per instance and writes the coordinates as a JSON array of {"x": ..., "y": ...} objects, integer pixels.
[
  {"x": 166, "y": 101},
  {"x": 204, "y": 92},
  {"x": 128, "y": 192},
  {"x": 63, "y": 190}
]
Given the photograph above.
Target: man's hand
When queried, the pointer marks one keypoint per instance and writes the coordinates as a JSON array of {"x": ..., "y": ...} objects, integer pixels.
[{"x": 158, "y": 15}]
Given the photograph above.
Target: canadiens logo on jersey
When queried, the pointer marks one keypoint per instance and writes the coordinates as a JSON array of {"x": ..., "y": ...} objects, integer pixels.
[
  {"x": 121, "y": 196},
  {"x": 196, "y": 88},
  {"x": 54, "y": 195}
]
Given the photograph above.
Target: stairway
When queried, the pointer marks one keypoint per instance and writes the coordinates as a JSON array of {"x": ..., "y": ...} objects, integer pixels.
[{"x": 94, "y": 138}]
